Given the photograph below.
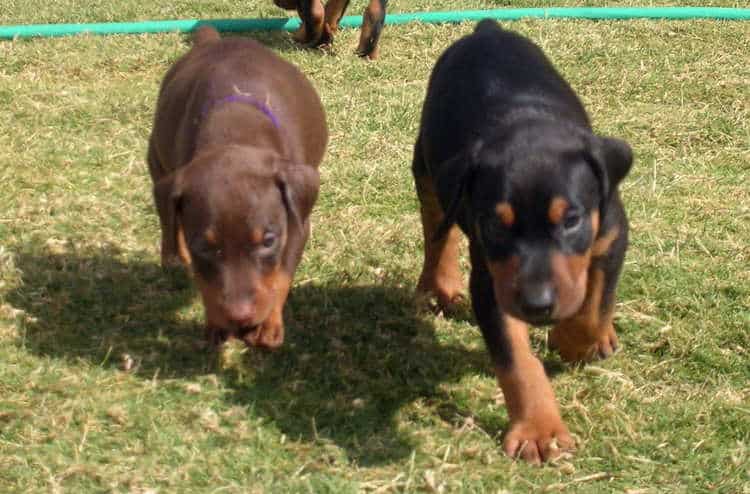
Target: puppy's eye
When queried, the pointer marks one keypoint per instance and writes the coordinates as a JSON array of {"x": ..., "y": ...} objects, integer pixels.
[
  {"x": 572, "y": 221},
  {"x": 269, "y": 240}
]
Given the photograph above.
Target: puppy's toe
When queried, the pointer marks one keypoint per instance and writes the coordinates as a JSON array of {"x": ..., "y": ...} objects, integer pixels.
[{"x": 267, "y": 335}]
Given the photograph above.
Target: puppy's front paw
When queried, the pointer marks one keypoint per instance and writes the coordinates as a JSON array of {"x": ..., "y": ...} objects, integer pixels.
[
  {"x": 269, "y": 334},
  {"x": 537, "y": 439},
  {"x": 440, "y": 294},
  {"x": 575, "y": 348}
]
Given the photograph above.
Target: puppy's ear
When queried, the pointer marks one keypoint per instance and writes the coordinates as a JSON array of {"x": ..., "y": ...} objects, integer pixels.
[
  {"x": 611, "y": 160},
  {"x": 167, "y": 196},
  {"x": 299, "y": 186},
  {"x": 452, "y": 183}
]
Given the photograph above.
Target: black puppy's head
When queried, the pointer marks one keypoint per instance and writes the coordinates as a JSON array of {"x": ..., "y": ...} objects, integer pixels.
[{"x": 536, "y": 200}]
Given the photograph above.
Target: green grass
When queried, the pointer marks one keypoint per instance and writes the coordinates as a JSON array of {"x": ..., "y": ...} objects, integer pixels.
[{"x": 105, "y": 385}]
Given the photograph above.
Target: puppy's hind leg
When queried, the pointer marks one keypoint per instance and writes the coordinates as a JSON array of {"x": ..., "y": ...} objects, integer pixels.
[
  {"x": 312, "y": 14},
  {"x": 441, "y": 276}
]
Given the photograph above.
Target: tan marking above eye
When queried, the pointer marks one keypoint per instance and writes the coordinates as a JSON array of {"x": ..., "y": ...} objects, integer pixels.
[
  {"x": 505, "y": 212},
  {"x": 256, "y": 236},
  {"x": 557, "y": 208},
  {"x": 210, "y": 236}
]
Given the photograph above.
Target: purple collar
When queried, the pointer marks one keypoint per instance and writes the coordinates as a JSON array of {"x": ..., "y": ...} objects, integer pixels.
[{"x": 247, "y": 99}]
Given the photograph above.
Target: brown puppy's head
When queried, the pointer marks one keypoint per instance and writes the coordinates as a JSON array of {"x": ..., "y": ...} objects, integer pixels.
[
  {"x": 537, "y": 198},
  {"x": 231, "y": 215}
]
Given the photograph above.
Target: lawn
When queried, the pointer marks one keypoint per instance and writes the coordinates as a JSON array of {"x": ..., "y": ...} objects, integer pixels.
[{"x": 106, "y": 386}]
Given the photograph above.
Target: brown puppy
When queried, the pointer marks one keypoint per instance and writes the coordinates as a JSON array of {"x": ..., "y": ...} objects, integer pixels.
[
  {"x": 238, "y": 135},
  {"x": 319, "y": 23}
]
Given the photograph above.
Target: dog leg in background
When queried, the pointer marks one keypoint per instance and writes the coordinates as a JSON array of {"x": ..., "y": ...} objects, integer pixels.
[
  {"x": 334, "y": 11},
  {"x": 373, "y": 19},
  {"x": 537, "y": 432},
  {"x": 286, "y": 4},
  {"x": 312, "y": 14}
]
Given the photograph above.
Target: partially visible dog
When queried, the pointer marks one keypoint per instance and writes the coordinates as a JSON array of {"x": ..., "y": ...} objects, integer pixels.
[
  {"x": 237, "y": 139},
  {"x": 319, "y": 23},
  {"x": 506, "y": 152}
]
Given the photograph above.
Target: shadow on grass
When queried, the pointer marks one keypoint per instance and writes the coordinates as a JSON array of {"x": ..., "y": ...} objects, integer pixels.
[
  {"x": 354, "y": 356},
  {"x": 98, "y": 306}
]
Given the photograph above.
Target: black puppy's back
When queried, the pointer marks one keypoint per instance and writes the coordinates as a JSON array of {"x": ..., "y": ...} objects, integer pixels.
[{"x": 483, "y": 77}]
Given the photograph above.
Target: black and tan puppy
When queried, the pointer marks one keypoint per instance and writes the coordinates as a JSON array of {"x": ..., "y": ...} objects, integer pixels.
[
  {"x": 506, "y": 152},
  {"x": 237, "y": 139},
  {"x": 319, "y": 23}
]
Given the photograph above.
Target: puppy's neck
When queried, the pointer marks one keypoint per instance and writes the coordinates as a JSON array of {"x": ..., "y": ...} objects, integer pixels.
[{"x": 238, "y": 123}]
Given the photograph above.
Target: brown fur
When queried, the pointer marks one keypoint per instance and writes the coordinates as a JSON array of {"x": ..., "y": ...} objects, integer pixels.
[
  {"x": 506, "y": 214},
  {"x": 590, "y": 333},
  {"x": 441, "y": 275},
  {"x": 237, "y": 139},
  {"x": 271, "y": 332},
  {"x": 334, "y": 11},
  {"x": 182, "y": 250},
  {"x": 537, "y": 432},
  {"x": 569, "y": 275},
  {"x": 557, "y": 208},
  {"x": 505, "y": 280},
  {"x": 373, "y": 12}
]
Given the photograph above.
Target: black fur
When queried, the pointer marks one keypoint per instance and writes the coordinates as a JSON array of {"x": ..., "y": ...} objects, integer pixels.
[{"x": 500, "y": 124}]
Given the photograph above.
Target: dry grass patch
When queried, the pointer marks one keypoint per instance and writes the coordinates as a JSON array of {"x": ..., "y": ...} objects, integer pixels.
[{"x": 105, "y": 385}]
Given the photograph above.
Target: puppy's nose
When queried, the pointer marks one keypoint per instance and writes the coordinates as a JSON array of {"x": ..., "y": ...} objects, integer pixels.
[
  {"x": 537, "y": 300},
  {"x": 241, "y": 313}
]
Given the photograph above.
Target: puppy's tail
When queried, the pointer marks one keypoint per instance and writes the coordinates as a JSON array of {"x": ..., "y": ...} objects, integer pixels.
[
  {"x": 486, "y": 25},
  {"x": 205, "y": 34}
]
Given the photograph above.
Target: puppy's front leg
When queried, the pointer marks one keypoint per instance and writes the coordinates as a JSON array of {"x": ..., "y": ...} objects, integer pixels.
[
  {"x": 590, "y": 333},
  {"x": 373, "y": 19},
  {"x": 334, "y": 12},
  {"x": 537, "y": 432}
]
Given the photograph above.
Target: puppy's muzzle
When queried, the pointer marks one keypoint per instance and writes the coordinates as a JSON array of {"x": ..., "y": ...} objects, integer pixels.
[{"x": 536, "y": 302}]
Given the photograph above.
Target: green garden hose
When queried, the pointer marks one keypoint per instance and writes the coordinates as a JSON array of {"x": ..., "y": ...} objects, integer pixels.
[{"x": 246, "y": 25}]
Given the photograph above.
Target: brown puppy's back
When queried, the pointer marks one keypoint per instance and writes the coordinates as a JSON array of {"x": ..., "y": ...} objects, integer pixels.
[
  {"x": 205, "y": 34},
  {"x": 215, "y": 68}
]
